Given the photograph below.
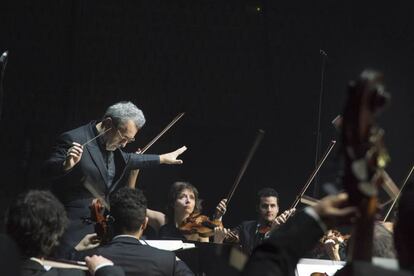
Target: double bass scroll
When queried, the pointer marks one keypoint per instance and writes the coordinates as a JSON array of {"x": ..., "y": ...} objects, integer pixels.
[{"x": 365, "y": 157}]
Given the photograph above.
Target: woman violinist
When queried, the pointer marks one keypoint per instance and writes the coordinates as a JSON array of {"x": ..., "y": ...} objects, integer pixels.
[{"x": 184, "y": 219}]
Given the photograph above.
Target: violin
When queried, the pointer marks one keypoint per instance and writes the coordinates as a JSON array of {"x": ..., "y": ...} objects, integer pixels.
[
  {"x": 330, "y": 244},
  {"x": 98, "y": 208},
  {"x": 199, "y": 224},
  {"x": 270, "y": 225},
  {"x": 101, "y": 220},
  {"x": 265, "y": 228}
]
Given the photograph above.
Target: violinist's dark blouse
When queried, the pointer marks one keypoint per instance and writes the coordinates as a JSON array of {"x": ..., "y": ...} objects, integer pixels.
[{"x": 170, "y": 232}]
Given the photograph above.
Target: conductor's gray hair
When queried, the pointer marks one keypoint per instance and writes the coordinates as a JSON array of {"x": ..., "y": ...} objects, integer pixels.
[{"x": 121, "y": 112}]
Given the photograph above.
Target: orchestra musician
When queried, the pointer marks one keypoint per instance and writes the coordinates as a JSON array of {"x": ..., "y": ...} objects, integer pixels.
[
  {"x": 35, "y": 221},
  {"x": 333, "y": 245},
  {"x": 251, "y": 233},
  {"x": 279, "y": 254},
  {"x": 126, "y": 249},
  {"x": 93, "y": 152},
  {"x": 10, "y": 260},
  {"x": 184, "y": 203},
  {"x": 364, "y": 155}
]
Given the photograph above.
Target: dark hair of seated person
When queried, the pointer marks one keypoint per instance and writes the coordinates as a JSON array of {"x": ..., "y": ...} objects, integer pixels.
[
  {"x": 129, "y": 209},
  {"x": 383, "y": 244},
  {"x": 266, "y": 192},
  {"x": 35, "y": 221}
]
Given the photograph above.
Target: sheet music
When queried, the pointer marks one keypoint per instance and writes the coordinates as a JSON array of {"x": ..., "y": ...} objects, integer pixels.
[
  {"x": 170, "y": 245},
  {"x": 307, "y": 266}
]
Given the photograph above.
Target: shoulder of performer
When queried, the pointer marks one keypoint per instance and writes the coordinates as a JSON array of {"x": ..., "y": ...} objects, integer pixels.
[{"x": 245, "y": 225}]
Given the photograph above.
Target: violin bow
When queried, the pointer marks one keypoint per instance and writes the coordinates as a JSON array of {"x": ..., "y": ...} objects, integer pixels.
[
  {"x": 62, "y": 263},
  {"x": 399, "y": 194},
  {"x": 382, "y": 205},
  {"x": 132, "y": 180},
  {"x": 309, "y": 200},
  {"x": 178, "y": 117},
  {"x": 249, "y": 157},
  {"x": 312, "y": 176}
]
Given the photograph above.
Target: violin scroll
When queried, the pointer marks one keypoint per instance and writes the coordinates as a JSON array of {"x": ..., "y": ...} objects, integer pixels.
[{"x": 279, "y": 220}]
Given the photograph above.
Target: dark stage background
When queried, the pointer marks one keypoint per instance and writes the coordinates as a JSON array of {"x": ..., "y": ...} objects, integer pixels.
[{"x": 232, "y": 66}]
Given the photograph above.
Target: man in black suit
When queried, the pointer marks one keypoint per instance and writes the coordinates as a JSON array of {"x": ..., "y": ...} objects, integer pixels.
[
  {"x": 249, "y": 233},
  {"x": 128, "y": 209},
  {"x": 35, "y": 221},
  {"x": 279, "y": 254},
  {"x": 92, "y": 153},
  {"x": 10, "y": 257}
]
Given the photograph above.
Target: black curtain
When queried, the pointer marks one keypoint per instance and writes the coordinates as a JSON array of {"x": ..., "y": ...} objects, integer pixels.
[{"x": 232, "y": 66}]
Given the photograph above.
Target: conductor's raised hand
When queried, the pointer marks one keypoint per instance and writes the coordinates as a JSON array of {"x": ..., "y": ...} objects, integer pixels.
[
  {"x": 73, "y": 156},
  {"x": 171, "y": 157}
]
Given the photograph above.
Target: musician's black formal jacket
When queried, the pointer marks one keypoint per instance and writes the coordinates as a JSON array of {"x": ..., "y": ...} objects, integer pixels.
[
  {"x": 68, "y": 186},
  {"x": 33, "y": 268},
  {"x": 170, "y": 232},
  {"x": 279, "y": 254},
  {"x": 137, "y": 259},
  {"x": 9, "y": 256},
  {"x": 248, "y": 235},
  {"x": 365, "y": 268}
]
